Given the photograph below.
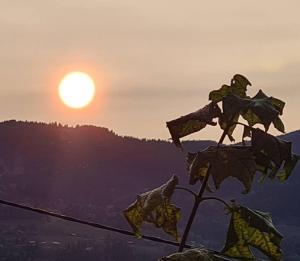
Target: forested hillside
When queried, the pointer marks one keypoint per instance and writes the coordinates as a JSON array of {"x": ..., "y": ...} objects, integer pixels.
[{"x": 92, "y": 173}]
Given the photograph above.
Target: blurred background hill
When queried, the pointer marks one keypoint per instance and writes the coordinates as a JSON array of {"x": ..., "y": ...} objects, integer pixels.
[{"x": 92, "y": 173}]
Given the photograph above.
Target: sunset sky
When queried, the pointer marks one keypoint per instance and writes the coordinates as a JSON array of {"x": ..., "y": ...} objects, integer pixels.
[{"x": 152, "y": 61}]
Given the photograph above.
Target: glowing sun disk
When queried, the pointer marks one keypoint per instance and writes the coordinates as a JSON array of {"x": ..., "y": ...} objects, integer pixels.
[{"x": 76, "y": 90}]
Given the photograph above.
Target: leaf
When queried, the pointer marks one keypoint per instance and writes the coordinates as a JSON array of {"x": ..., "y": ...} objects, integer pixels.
[
  {"x": 197, "y": 167},
  {"x": 252, "y": 228},
  {"x": 155, "y": 207},
  {"x": 271, "y": 153},
  {"x": 278, "y": 124},
  {"x": 223, "y": 162},
  {"x": 230, "y": 113},
  {"x": 218, "y": 95},
  {"x": 288, "y": 168},
  {"x": 263, "y": 109},
  {"x": 265, "y": 165},
  {"x": 238, "y": 87},
  {"x": 259, "y": 109},
  {"x": 193, "y": 122},
  {"x": 197, "y": 254},
  {"x": 275, "y": 149}
]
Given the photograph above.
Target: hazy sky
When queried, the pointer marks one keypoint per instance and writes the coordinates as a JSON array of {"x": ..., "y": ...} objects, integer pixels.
[{"x": 152, "y": 60}]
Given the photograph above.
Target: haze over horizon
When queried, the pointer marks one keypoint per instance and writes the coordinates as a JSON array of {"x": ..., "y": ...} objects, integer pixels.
[{"x": 152, "y": 62}]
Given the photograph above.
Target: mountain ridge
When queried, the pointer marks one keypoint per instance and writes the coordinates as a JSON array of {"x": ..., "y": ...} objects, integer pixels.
[{"x": 93, "y": 173}]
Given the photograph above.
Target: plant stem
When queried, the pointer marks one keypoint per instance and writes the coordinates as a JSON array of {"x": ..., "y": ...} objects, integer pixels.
[
  {"x": 188, "y": 190},
  {"x": 198, "y": 199},
  {"x": 193, "y": 213},
  {"x": 223, "y": 136},
  {"x": 217, "y": 199}
]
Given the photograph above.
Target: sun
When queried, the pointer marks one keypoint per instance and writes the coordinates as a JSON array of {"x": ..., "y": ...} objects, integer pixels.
[{"x": 76, "y": 90}]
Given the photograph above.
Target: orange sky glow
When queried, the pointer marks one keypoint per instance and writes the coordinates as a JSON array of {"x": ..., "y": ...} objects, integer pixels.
[{"x": 151, "y": 61}]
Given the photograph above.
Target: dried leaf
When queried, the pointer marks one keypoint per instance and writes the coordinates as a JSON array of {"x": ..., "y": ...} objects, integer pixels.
[
  {"x": 224, "y": 162},
  {"x": 155, "y": 207},
  {"x": 193, "y": 122},
  {"x": 252, "y": 228},
  {"x": 197, "y": 254}
]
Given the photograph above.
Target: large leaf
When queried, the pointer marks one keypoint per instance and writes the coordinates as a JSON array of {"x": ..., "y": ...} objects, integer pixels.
[
  {"x": 259, "y": 109},
  {"x": 155, "y": 207},
  {"x": 237, "y": 87},
  {"x": 231, "y": 107},
  {"x": 223, "y": 162},
  {"x": 265, "y": 110},
  {"x": 193, "y": 122},
  {"x": 252, "y": 228},
  {"x": 272, "y": 154},
  {"x": 197, "y": 254}
]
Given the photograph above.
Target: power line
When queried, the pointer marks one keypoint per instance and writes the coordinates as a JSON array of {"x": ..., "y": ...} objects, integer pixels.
[{"x": 87, "y": 223}]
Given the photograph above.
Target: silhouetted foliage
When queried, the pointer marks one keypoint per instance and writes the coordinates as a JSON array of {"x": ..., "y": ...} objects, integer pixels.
[{"x": 266, "y": 154}]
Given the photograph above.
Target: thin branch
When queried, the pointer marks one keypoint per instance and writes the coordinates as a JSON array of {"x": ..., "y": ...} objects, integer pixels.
[
  {"x": 87, "y": 223},
  {"x": 217, "y": 199},
  {"x": 187, "y": 190},
  {"x": 223, "y": 137},
  {"x": 198, "y": 199},
  {"x": 224, "y": 134},
  {"x": 194, "y": 212}
]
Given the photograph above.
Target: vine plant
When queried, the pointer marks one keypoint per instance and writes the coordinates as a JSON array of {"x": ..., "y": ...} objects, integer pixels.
[{"x": 265, "y": 154}]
